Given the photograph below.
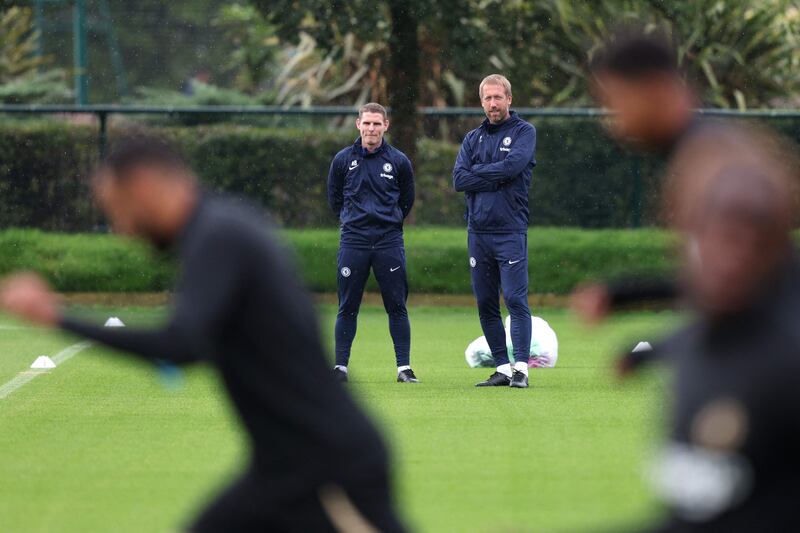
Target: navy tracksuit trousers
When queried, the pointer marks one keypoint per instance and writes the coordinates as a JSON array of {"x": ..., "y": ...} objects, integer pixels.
[
  {"x": 389, "y": 266},
  {"x": 500, "y": 260}
]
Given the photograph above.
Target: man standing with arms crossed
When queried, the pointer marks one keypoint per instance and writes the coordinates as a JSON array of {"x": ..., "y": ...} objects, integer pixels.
[
  {"x": 494, "y": 170},
  {"x": 371, "y": 190}
]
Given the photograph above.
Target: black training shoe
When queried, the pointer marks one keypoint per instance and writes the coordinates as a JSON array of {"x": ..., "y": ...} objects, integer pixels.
[
  {"x": 519, "y": 380},
  {"x": 340, "y": 375},
  {"x": 495, "y": 380},
  {"x": 407, "y": 376}
]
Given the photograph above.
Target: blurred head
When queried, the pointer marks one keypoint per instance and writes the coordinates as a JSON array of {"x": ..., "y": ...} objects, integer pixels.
[
  {"x": 145, "y": 188},
  {"x": 495, "y": 94},
  {"x": 636, "y": 77},
  {"x": 372, "y": 123},
  {"x": 739, "y": 237},
  {"x": 733, "y": 197}
]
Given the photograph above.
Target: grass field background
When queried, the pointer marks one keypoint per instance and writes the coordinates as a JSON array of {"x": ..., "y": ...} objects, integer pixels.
[{"x": 109, "y": 444}]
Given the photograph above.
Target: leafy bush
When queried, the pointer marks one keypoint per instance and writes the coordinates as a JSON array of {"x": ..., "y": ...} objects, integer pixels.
[
  {"x": 85, "y": 263},
  {"x": 437, "y": 258},
  {"x": 43, "y": 169},
  {"x": 48, "y": 87},
  {"x": 25, "y": 76},
  {"x": 582, "y": 179}
]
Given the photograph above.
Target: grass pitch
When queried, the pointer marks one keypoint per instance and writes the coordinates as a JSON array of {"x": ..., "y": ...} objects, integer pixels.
[{"x": 110, "y": 444}]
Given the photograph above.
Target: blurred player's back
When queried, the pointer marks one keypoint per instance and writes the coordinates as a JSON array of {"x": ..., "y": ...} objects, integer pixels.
[{"x": 732, "y": 463}]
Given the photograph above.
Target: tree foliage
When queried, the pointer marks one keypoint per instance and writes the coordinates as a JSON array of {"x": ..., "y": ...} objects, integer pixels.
[
  {"x": 25, "y": 76},
  {"x": 739, "y": 53}
]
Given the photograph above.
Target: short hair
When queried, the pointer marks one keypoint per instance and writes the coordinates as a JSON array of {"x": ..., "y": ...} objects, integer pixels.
[
  {"x": 373, "y": 107},
  {"x": 495, "y": 79},
  {"x": 136, "y": 149},
  {"x": 634, "y": 52}
]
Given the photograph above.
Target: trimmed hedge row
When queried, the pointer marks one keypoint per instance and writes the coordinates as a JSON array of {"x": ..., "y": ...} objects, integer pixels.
[
  {"x": 582, "y": 178},
  {"x": 43, "y": 169},
  {"x": 437, "y": 259}
]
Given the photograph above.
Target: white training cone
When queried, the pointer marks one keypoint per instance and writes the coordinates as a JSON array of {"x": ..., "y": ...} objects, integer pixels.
[
  {"x": 43, "y": 362},
  {"x": 642, "y": 347},
  {"x": 114, "y": 322}
]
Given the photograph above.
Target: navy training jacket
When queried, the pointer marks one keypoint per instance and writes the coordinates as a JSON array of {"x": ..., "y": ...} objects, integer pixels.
[
  {"x": 493, "y": 169},
  {"x": 371, "y": 193}
]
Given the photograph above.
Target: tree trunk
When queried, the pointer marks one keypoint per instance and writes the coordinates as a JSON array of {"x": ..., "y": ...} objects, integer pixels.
[{"x": 404, "y": 76}]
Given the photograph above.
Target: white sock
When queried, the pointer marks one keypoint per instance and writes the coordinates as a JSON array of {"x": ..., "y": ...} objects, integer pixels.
[
  {"x": 401, "y": 368},
  {"x": 341, "y": 367},
  {"x": 505, "y": 369},
  {"x": 521, "y": 366}
]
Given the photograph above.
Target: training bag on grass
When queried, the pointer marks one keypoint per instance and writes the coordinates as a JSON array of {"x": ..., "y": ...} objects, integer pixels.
[{"x": 543, "y": 351}]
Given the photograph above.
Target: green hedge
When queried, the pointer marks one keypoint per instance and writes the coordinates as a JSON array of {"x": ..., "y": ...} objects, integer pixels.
[
  {"x": 582, "y": 178},
  {"x": 85, "y": 262},
  {"x": 437, "y": 258},
  {"x": 43, "y": 169}
]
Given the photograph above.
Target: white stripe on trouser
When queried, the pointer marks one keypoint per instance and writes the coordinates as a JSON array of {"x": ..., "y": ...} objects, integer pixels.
[
  {"x": 344, "y": 515},
  {"x": 23, "y": 378}
]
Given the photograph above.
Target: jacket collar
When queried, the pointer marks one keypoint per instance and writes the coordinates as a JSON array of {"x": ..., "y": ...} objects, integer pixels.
[
  {"x": 512, "y": 119},
  {"x": 360, "y": 150}
]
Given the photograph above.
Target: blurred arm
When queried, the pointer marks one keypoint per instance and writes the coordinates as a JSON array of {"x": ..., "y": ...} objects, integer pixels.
[
  {"x": 628, "y": 291},
  {"x": 209, "y": 290},
  {"x": 593, "y": 302}
]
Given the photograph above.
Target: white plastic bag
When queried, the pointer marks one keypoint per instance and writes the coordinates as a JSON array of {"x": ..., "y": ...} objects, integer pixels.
[{"x": 543, "y": 349}]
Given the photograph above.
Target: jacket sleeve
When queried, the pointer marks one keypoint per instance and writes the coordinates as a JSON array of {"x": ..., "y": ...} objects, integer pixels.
[
  {"x": 520, "y": 156},
  {"x": 209, "y": 289},
  {"x": 627, "y": 291},
  {"x": 464, "y": 180},
  {"x": 405, "y": 179},
  {"x": 336, "y": 186}
]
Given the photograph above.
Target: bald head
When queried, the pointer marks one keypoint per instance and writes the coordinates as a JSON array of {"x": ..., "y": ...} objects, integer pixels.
[
  {"x": 746, "y": 197},
  {"x": 739, "y": 235}
]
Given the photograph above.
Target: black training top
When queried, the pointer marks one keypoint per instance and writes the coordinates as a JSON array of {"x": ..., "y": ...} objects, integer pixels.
[
  {"x": 732, "y": 463},
  {"x": 241, "y": 308}
]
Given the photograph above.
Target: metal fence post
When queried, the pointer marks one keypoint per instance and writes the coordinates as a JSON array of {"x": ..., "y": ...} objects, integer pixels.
[
  {"x": 79, "y": 52},
  {"x": 102, "y": 139}
]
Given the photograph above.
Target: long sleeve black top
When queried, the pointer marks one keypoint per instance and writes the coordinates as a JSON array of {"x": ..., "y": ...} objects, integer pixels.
[{"x": 241, "y": 308}]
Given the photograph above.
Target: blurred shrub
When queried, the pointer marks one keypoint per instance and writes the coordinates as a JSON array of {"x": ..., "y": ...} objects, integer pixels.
[
  {"x": 582, "y": 178},
  {"x": 43, "y": 169},
  {"x": 437, "y": 259},
  {"x": 85, "y": 263},
  {"x": 195, "y": 94},
  {"x": 25, "y": 77},
  {"x": 284, "y": 170},
  {"x": 557, "y": 258}
]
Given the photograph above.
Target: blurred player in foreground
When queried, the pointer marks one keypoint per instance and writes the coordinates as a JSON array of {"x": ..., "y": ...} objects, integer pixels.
[
  {"x": 637, "y": 77},
  {"x": 730, "y": 463},
  {"x": 317, "y": 463}
]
